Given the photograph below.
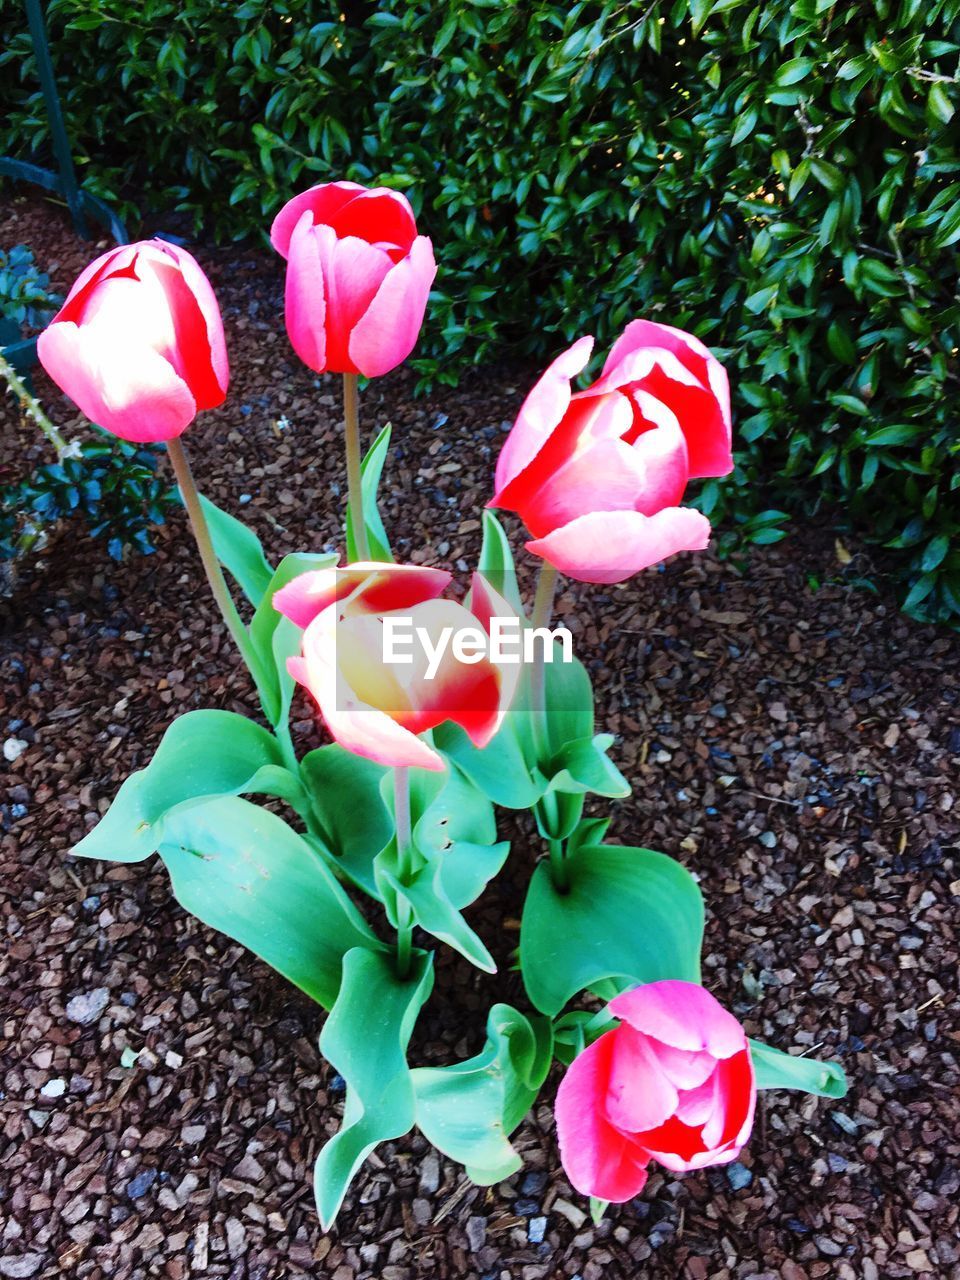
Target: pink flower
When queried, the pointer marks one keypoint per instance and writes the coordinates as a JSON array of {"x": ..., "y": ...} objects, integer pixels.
[
  {"x": 138, "y": 345},
  {"x": 674, "y": 1083},
  {"x": 375, "y": 707},
  {"x": 358, "y": 277},
  {"x": 597, "y": 475}
]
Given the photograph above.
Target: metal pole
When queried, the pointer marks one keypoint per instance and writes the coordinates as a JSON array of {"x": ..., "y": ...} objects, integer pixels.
[{"x": 58, "y": 132}]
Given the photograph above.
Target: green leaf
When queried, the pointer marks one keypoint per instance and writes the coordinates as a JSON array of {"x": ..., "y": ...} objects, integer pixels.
[
  {"x": 468, "y": 1110},
  {"x": 939, "y": 105},
  {"x": 239, "y": 551},
  {"x": 454, "y": 857},
  {"x": 275, "y": 638},
  {"x": 365, "y": 1039},
  {"x": 242, "y": 870},
  {"x": 899, "y": 433},
  {"x": 776, "y": 1070},
  {"x": 583, "y": 766},
  {"x": 935, "y": 552},
  {"x": 370, "y": 471},
  {"x": 202, "y": 755},
  {"x": 795, "y": 70},
  {"x": 598, "y": 1208},
  {"x": 355, "y": 823},
  {"x": 630, "y": 914},
  {"x": 496, "y": 562}
]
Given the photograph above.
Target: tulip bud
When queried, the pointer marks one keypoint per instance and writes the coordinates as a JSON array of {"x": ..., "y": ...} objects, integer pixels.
[
  {"x": 358, "y": 277},
  {"x": 674, "y": 1082},
  {"x": 138, "y": 345}
]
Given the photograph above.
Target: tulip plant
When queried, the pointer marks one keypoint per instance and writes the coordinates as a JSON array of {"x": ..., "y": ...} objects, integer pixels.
[{"x": 390, "y": 829}]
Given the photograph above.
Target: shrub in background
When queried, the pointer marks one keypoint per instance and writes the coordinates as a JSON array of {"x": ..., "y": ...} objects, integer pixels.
[{"x": 780, "y": 178}]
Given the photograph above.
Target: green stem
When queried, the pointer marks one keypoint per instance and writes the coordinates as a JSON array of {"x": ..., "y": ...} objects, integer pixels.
[
  {"x": 542, "y": 613},
  {"x": 351, "y": 417},
  {"x": 31, "y": 406},
  {"x": 401, "y": 809},
  {"x": 559, "y": 867},
  {"x": 208, "y": 557}
]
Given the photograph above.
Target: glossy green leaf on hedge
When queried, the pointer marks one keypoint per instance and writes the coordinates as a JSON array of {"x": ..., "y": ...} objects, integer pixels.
[
  {"x": 630, "y": 915},
  {"x": 239, "y": 551},
  {"x": 242, "y": 870},
  {"x": 777, "y": 1070},
  {"x": 203, "y": 754},
  {"x": 370, "y": 471},
  {"x": 365, "y": 1039},
  {"x": 469, "y": 1110}
]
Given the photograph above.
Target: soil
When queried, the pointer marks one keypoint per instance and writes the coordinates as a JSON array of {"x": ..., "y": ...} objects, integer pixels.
[{"x": 791, "y": 738}]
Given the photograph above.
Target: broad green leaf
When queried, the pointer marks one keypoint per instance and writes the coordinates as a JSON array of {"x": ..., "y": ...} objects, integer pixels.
[
  {"x": 239, "y": 551},
  {"x": 496, "y": 562},
  {"x": 630, "y": 915},
  {"x": 365, "y": 1039},
  {"x": 795, "y": 70},
  {"x": 203, "y": 754},
  {"x": 776, "y": 1070},
  {"x": 453, "y": 858},
  {"x": 583, "y": 765},
  {"x": 355, "y": 824},
  {"x": 371, "y": 470},
  {"x": 275, "y": 638},
  {"x": 468, "y": 1110},
  {"x": 501, "y": 770},
  {"x": 242, "y": 870}
]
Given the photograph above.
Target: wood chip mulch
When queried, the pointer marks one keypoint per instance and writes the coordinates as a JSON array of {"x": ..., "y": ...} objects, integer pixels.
[{"x": 794, "y": 740}]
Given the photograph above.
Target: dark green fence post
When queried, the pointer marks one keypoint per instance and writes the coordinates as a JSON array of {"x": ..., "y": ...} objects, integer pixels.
[{"x": 58, "y": 133}]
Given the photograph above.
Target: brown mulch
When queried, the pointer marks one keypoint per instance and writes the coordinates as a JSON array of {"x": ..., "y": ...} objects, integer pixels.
[{"x": 793, "y": 740}]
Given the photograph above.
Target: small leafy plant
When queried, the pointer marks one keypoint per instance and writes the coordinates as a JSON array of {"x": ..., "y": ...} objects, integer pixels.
[
  {"x": 26, "y": 301},
  {"x": 434, "y": 724}
]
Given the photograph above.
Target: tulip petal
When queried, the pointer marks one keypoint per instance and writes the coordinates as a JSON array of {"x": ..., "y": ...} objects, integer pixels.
[
  {"x": 358, "y": 727},
  {"x": 464, "y": 692},
  {"x": 388, "y": 332},
  {"x": 322, "y": 202},
  {"x": 597, "y": 1158},
  {"x": 588, "y": 421},
  {"x": 120, "y": 384},
  {"x": 386, "y": 587},
  {"x": 609, "y": 476},
  {"x": 704, "y": 410},
  {"x": 682, "y": 1014},
  {"x": 202, "y": 291},
  {"x": 305, "y": 307},
  {"x": 110, "y": 263},
  {"x": 639, "y": 1095},
  {"x": 379, "y": 214},
  {"x": 611, "y": 546},
  {"x": 540, "y": 413},
  {"x": 353, "y": 272},
  {"x": 164, "y": 286}
]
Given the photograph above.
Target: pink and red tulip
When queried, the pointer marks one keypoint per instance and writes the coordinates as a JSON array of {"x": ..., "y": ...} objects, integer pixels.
[
  {"x": 673, "y": 1082},
  {"x": 358, "y": 277},
  {"x": 597, "y": 475},
  {"x": 138, "y": 345},
  {"x": 377, "y": 709}
]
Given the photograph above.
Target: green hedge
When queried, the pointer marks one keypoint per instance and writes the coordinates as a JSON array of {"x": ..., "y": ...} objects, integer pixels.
[{"x": 780, "y": 177}]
